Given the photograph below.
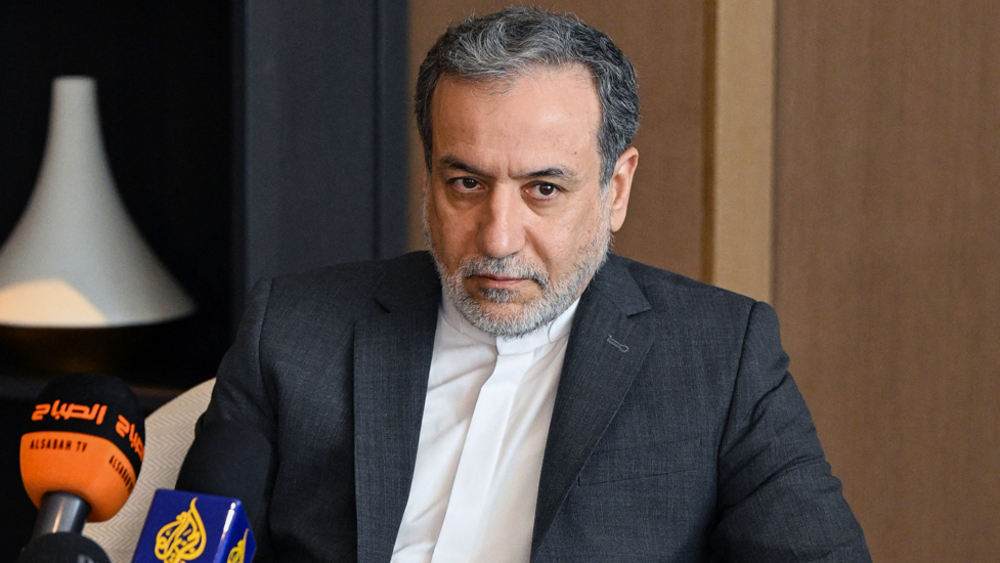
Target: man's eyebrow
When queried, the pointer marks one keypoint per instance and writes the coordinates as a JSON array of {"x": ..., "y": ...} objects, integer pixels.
[
  {"x": 454, "y": 163},
  {"x": 554, "y": 172},
  {"x": 449, "y": 161}
]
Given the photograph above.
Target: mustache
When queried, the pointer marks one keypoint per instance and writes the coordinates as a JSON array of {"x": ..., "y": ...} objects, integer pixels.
[{"x": 512, "y": 266}]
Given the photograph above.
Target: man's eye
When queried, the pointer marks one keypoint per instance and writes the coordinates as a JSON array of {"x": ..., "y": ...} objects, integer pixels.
[
  {"x": 468, "y": 183},
  {"x": 545, "y": 190}
]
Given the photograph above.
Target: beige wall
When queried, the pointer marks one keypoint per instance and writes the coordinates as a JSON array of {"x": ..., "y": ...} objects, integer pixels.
[
  {"x": 887, "y": 278},
  {"x": 666, "y": 43}
]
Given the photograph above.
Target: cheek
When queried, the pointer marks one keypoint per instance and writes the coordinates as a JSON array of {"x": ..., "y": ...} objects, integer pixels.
[
  {"x": 563, "y": 239},
  {"x": 555, "y": 246},
  {"x": 450, "y": 233}
]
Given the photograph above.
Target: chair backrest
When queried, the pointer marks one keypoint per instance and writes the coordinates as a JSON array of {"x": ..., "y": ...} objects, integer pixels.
[{"x": 169, "y": 433}]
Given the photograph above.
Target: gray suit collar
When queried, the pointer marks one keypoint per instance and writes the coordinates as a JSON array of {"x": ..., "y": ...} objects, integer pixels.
[{"x": 614, "y": 283}]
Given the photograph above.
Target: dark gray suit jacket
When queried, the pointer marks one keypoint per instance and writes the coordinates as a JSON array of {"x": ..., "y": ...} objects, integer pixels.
[{"x": 677, "y": 434}]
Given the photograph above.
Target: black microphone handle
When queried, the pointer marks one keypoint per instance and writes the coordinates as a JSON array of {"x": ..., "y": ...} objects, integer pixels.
[
  {"x": 63, "y": 547},
  {"x": 61, "y": 512}
]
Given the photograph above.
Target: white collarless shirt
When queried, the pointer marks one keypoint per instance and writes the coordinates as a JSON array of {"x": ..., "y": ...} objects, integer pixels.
[{"x": 485, "y": 423}]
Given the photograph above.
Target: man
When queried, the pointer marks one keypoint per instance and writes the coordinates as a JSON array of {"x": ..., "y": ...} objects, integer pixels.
[{"x": 518, "y": 394}]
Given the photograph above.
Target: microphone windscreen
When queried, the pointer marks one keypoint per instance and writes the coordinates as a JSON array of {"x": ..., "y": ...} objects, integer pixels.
[
  {"x": 86, "y": 436},
  {"x": 63, "y": 547},
  {"x": 229, "y": 460}
]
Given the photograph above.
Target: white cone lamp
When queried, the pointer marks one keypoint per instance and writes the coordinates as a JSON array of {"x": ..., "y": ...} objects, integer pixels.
[{"x": 75, "y": 260}]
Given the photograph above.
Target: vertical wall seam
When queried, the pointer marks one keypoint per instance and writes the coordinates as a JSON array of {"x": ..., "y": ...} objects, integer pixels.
[
  {"x": 708, "y": 142},
  {"x": 775, "y": 72},
  {"x": 743, "y": 149}
]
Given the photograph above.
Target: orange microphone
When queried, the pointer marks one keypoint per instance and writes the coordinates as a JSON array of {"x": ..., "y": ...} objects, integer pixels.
[{"x": 81, "y": 451}]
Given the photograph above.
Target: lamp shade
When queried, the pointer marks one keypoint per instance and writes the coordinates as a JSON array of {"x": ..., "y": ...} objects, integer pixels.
[{"x": 75, "y": 258}]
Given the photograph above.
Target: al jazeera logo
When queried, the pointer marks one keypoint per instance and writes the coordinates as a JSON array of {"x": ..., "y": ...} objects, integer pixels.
[
  {"x": 237, "y": 554},
  {"x": 183, "y": 539}
]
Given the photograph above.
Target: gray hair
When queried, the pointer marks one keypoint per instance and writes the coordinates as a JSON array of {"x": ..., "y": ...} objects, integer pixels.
[{"x": 510, "y": 43}]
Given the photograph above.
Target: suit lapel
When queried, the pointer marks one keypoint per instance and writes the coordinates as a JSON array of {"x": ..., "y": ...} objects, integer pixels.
[
  {"x": 392, "y": 357},
  {"x": 607, "y": 345}
]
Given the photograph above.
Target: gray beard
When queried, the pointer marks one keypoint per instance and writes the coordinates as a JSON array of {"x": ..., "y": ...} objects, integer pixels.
[{"x": 555, "y": 297}]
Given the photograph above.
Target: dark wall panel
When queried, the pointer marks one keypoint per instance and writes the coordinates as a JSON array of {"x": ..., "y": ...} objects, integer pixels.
[{"x": 322, "y": 135}]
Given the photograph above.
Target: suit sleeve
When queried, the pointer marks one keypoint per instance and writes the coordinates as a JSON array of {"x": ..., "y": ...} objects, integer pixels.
[
  {"x": 778, "y": 501},
  {"x": 244, "y": 396},
  {"x": 241, "y": 393}
]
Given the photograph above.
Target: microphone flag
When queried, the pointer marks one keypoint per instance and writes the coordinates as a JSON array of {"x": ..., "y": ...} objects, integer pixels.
[{"x": 185, "y": 527}]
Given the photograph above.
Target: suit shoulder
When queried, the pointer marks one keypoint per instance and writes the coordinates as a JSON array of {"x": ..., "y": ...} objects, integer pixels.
[{"x": 682, "y": 297}]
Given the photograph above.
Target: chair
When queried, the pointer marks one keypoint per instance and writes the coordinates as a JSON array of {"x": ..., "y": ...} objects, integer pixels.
[{"x": 169, "y": 433}]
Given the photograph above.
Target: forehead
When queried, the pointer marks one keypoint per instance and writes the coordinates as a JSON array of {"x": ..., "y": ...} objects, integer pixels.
[{"x": 554, "y": 104}]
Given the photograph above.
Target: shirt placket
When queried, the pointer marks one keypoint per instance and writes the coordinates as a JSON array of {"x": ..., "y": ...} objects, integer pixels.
[{"x": 475, "y": 478}]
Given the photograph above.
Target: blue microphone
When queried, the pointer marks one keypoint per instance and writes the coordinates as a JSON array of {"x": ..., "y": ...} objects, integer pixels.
[
  {"x": 185, "y": 527},
  {"x": 220, "y": 492}
]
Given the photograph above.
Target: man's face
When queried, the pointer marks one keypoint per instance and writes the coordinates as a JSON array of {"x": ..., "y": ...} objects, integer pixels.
[{"x": 514, "y": 213}]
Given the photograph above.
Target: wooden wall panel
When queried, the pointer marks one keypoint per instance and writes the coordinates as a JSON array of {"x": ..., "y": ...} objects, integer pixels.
[
  {"x": 666, "y": 43},
  {"x": 887, "y": 253},
  {"x": 743, "y": 142}
]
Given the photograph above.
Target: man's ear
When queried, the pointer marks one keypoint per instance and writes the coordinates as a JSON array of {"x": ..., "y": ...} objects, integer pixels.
[{"x": 620, "y": 186}]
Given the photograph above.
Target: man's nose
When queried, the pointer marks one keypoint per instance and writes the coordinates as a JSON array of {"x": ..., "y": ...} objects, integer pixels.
[{"x": 501, "y": 227}]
